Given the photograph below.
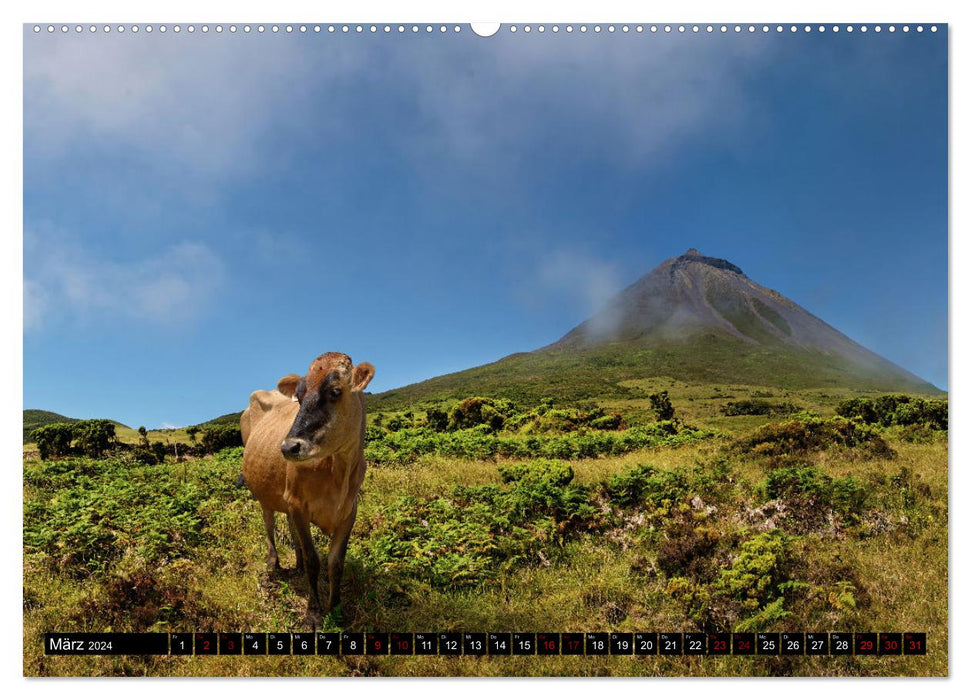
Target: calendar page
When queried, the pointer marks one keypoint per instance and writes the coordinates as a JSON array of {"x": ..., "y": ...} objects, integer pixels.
[{"x": 522, "y": 349}]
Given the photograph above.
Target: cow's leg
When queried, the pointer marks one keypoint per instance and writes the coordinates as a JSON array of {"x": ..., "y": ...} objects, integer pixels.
[
  {"x": 272, "y": 560},
  {"x": 335, "y": 559},
  {"x": 301, "y": 524},
  {"x": 296, "y": 543}
]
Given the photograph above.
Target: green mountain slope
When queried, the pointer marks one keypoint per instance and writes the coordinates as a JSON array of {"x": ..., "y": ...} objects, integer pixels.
[{"x": 226, "y": 419}]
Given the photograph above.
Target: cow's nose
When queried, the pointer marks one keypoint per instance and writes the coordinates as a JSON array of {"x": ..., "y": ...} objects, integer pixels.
[{"x": 290, "y": 448}]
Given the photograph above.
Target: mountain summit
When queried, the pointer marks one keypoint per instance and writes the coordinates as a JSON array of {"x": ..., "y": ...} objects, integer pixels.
[{"x": 694, "y": 318}]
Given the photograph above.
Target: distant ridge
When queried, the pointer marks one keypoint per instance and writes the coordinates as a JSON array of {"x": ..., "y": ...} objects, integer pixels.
[
  {"x": 35, "y": 418},
  {"x": 695, "y": 318}
]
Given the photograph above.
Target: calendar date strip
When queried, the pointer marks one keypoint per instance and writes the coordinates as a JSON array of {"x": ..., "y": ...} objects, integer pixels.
[{"x": 487, "y": 643}]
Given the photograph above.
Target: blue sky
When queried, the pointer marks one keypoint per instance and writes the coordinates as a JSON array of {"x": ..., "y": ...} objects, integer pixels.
[{"x": 206, "y": 213}]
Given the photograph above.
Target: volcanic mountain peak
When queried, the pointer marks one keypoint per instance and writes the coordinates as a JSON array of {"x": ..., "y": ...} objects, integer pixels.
[
  {"x": 683, "y": 296},
  {"x": 693, "y": 295}
]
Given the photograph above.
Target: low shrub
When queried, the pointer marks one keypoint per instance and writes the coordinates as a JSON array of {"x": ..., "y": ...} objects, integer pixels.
[
  {"x": 437, "y": 419},
  {"x": 801, "y": 436},
  {"x": 539, "y": 489},
  {"x": 611, "y": 421},
  {"x": 479, "y": 411},
  {"x": 143, "y": 599},
  {"x": 549, "y": 470},
  {"x": 687, "y": 549},
  {"x": 661, "y": 405},
  {"x": 647, "y": 485},
  {"x": 143, "y": 455},
  {"x": 811, "y": 495},
  {"x": 757, "y": 570},
  {"x": 94, "y": 437}
]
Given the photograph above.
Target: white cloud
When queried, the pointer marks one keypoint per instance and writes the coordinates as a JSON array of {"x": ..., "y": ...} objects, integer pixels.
[
  {"x": 628, "y": 100},
  {"x": 62, "y": 280},
  {"x": 200, "y": 105},
  {"x": 217, "y": 106},
  {"x": 582, "y": 281},
  {"x": 35, "y": 305}
]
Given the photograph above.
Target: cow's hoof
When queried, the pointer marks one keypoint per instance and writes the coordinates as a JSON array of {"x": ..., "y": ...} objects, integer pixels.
[{"x": 314, "y": 619}]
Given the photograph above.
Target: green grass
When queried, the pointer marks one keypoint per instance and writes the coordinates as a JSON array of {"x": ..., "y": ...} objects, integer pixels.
[{"x": 707, "y": 534}]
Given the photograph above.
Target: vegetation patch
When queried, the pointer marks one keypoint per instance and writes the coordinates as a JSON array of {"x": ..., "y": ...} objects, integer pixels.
[
  {"x": 897, "y": 409},
  {"x": 800, "y": 437},
  {"x": 502, "y": 414},
  {"x": 647, "y": 485},
  {"x": 84, "y": 515},
  {"x": 406, "y": 445},
  {"x": 480, "y": 532},
  {"x": 91, "y": 438},
  {"x": 746, "y": 595},
  {"x": 144, "y": 599},
  {"x": 97, "y": 438}
]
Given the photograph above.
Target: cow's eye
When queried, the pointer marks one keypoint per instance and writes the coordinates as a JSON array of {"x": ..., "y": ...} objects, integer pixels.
[{"x": 335, "y": 393}]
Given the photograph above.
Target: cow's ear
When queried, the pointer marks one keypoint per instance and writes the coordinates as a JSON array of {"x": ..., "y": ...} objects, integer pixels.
[
  {"x": 362, "y": 376},
  {"x": 288, "y": 385}
]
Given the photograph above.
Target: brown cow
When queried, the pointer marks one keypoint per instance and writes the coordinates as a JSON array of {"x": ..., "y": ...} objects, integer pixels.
[{"x": 304, "y": 456}]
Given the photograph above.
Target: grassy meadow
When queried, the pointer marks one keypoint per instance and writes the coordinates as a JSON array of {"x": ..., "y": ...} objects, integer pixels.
[{"x": 749, "y": 509}]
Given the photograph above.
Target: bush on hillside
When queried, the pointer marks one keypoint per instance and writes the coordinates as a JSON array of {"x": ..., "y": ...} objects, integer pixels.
[
  {"x": 94, "y": 437},
  {"x": 219, "y": 437},
  {"x": 662, "y": 406},
  {"x": 54, "y": 440},
  {"x": 477, "y": 410},
  {"x": 798, "y": 437},
  {"x": 811, "y": 496},
  {"x": 647, "y": 485},
  {"x": 897, "y": 409}
]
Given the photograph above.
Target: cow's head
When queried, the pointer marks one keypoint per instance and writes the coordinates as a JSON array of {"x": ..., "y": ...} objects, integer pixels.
[{"x": 331, "y": 412}]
